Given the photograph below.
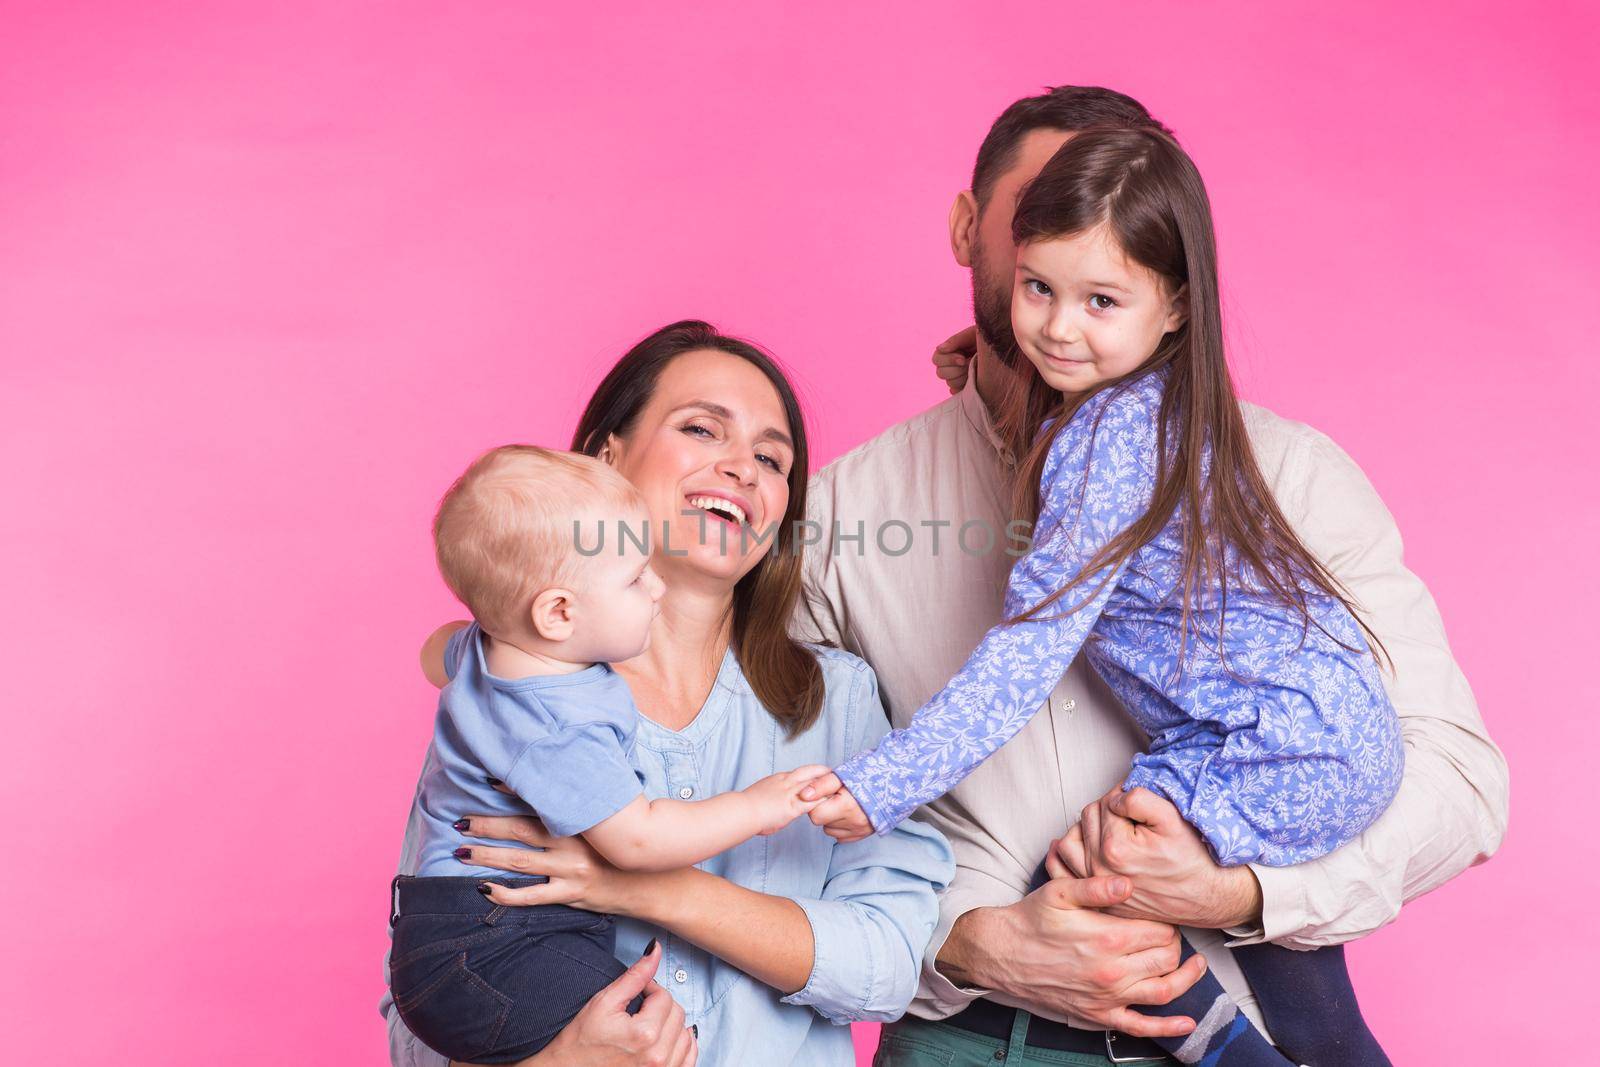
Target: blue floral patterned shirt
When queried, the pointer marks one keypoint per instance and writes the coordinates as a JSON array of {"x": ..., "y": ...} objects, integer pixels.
[{"x": 1278, "y": 753}]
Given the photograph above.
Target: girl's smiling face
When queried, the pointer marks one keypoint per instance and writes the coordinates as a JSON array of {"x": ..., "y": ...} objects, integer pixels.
[
  {"x": 1084, "y": 313},
  {"x": 711, "y": 452}
]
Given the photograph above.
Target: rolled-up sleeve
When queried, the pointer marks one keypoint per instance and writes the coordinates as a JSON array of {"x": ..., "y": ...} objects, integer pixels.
[
  {"x": 1451, "y": 809},
  {"x": 878, "y": 907}
]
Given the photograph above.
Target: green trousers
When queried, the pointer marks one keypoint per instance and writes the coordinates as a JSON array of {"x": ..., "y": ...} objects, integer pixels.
[{"x": 919, "y": 1043}]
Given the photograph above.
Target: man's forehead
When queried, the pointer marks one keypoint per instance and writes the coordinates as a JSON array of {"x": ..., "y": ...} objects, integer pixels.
[{"x": 1033, "y": 152}]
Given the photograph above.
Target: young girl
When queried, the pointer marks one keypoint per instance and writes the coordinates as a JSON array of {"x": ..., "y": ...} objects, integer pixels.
[{"x": 1159, "y": 549}]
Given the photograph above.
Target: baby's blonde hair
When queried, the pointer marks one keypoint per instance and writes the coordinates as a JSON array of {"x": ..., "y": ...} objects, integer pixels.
[{"x": 505, "y": 531}]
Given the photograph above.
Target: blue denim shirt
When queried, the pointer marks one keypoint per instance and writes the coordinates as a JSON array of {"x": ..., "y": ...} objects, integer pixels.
[{"x": 872, "y": 904}]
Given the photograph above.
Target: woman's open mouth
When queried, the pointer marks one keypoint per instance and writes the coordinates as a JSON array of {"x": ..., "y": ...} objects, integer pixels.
[{"x": 717, "y": 507}]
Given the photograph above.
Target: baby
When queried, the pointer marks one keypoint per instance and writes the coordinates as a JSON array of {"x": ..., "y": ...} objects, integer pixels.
[{"x": 532, "y": 704}]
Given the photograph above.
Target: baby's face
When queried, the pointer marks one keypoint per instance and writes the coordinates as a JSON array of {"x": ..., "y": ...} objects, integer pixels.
[{"x": 619, "y": 597}]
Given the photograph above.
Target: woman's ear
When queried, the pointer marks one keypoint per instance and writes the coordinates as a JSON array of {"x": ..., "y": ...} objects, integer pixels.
[
  {"x": 552, "y": 614},
  {"x": 963, "y": 227},
  {"x": 611, "y": 450},
  {"x": 1178, "y": 310}
]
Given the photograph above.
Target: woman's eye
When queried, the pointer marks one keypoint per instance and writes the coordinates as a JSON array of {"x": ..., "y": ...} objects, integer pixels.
[
  {"x": 1036, "y": 287},
  {"x": 696, "y": 428},
  {"x": 771, "y": 461},
  {"x": 1102, "y": 302}
]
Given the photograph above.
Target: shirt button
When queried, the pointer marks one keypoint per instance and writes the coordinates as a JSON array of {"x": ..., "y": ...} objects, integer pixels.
[
  {"x": 1000, "y": 1053},
  {"x": 680, "y": 975},
  {"x": 1069, "y": 705},
  {"x": 686, "y": 792}
]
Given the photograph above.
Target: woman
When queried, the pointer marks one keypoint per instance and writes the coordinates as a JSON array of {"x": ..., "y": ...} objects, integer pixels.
[{"x": 766, "y": 943}]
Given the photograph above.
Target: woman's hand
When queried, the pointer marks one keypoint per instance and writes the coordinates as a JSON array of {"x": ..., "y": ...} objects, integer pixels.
[
  {"x": 952, "y": 357},
  {"x": 1142, "y": 836},
  {"x": 603, "y": 1034},
  {"x": 579, "y": 876}
]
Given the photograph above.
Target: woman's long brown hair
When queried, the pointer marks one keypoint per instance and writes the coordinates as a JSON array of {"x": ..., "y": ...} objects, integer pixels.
[
  {"x": 783, "y": 673},
  {"x": 1144, "y": 188}
]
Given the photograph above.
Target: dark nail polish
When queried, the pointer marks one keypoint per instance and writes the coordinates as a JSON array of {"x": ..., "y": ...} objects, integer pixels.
[
  {"x": 462, "y": 853},
  {"x": 493, "y": 780},
  {"x": 651, "y": 947},
  {"x": 483, "y": 887},
  {"x": 694, "y": 1028},
  {"x": 462, "y": 825}
]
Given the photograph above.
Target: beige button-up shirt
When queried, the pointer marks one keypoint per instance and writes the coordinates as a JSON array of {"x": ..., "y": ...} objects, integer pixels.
[{"x": 913, "y": 598}]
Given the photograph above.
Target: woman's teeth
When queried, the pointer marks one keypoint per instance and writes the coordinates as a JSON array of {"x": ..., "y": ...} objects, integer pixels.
[{"x": 726, "y": 509}]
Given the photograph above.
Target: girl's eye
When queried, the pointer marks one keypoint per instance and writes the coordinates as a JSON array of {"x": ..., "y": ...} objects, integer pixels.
[
  {"x": 771, "y": 461},
  {"x": 1036, "y": 287},
  {"x": 1102, "y": 302},
  {"x": 694, "y": 428}
]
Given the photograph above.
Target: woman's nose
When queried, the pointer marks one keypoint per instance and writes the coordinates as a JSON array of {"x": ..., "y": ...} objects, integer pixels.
[{"x": 741, "y": 468}]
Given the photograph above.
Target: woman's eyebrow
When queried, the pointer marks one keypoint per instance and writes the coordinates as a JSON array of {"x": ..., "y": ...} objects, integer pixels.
[
  {"x": 769, "y": 434},
  {"x": 773, "y": 434}
]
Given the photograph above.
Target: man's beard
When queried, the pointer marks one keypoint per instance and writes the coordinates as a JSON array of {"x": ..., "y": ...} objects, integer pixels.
[{"x": 991, "y": 311}]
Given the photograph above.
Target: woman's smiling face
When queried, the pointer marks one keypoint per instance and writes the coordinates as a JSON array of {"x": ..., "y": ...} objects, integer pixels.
[{"x": 711, "y": 452}]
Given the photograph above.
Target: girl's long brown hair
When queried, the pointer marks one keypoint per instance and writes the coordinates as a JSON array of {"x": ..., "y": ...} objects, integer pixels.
[
  {"x": 783, "y": 673},
  {"x": 1144, "y": 188}
]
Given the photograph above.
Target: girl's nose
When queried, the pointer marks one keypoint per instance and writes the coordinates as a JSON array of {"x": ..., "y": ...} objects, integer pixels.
[{"x": 1061, "y": 329}]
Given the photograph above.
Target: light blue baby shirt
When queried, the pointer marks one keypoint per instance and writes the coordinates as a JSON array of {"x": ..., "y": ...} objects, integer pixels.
[
  {"x": 871, "y": 904},
  {"x": 562, "y": 742}
]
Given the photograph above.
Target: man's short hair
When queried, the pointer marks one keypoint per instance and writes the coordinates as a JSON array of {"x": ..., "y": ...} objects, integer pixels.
[
  {"x": 505, "y": 532},
  {"x": 1066, "y": 107}
]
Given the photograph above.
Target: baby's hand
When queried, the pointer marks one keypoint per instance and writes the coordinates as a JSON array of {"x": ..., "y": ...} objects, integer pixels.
[
  {"x": 777, "y": 797},
  {"x": 836, "y": 811}
]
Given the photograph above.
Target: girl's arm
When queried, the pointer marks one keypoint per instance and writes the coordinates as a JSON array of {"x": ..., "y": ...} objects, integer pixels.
[{"x": 1097, "y": 481}]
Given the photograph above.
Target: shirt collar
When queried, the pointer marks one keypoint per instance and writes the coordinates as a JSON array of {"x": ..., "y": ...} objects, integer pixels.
[{"x": 726, "y": 689}]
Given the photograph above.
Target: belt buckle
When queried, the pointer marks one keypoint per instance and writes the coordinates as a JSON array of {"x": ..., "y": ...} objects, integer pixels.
[{"x": 1111, "y": 1051}]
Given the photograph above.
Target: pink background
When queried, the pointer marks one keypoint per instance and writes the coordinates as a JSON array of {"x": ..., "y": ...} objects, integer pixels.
[{"x": 274, "y": 272}]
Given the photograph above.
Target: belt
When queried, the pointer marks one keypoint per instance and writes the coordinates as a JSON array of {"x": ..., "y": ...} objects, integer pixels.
[{"x": 988, "y": 1019}]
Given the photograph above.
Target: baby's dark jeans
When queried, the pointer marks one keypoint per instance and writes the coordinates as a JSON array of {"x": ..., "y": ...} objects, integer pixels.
[{"x": 482, "y": 983}]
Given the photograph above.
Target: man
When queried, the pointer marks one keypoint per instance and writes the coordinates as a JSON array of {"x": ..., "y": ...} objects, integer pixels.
[{"x": 910, "y": 572}]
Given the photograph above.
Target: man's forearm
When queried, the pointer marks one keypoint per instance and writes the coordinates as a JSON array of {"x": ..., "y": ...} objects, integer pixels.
[
  {"x": 1441, "y": 823},
  {"x": 960, "y": 958}
]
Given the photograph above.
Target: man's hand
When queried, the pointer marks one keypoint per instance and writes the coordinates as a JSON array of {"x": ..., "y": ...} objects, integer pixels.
[
  {"x": 1057, "y": 956},
  {"x": 1141, "y": 835},
  {"x": 839, "y": 815}
]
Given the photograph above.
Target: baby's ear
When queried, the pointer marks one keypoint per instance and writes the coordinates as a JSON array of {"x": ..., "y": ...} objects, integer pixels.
[{"x": 551, "y": 615}]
